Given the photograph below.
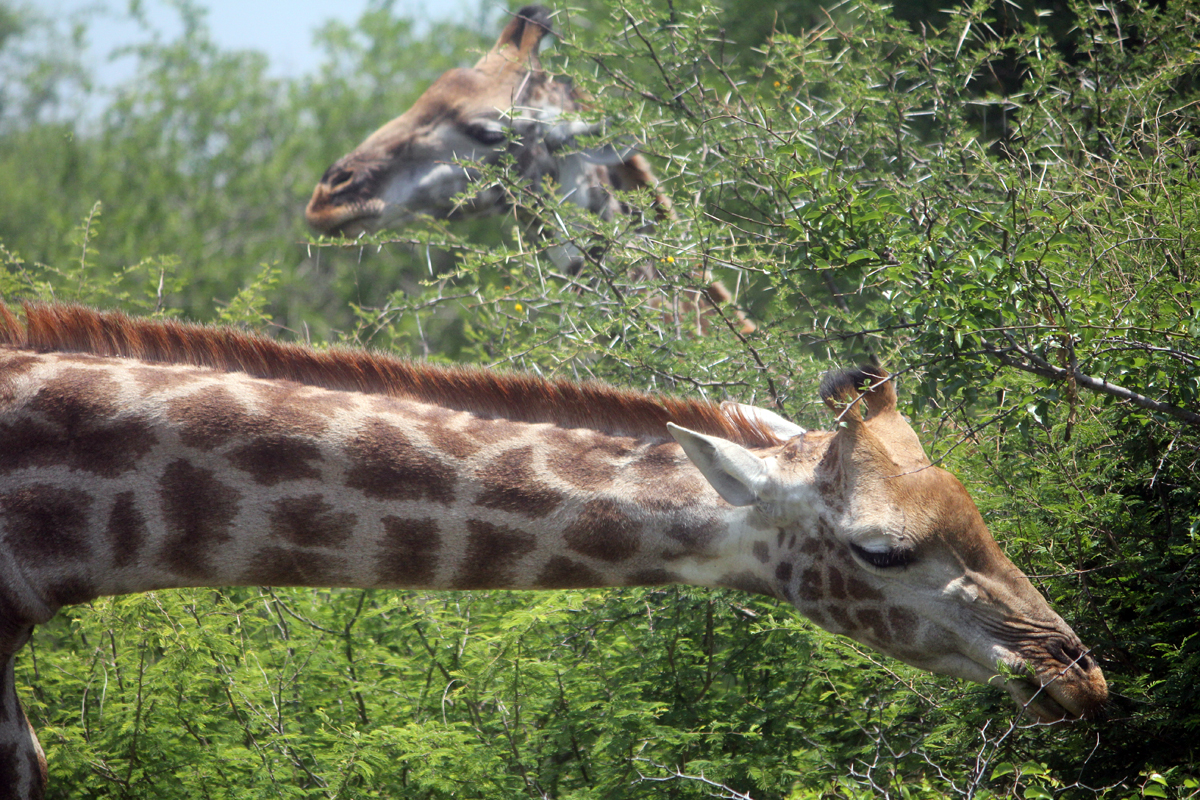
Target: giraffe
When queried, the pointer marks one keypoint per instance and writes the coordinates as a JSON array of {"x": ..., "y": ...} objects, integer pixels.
[
  {"x": 139, "y": 455},
  {"x": 418, "y": 163}
]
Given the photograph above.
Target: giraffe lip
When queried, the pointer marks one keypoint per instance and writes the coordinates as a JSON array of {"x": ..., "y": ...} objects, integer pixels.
[
  {"x": 351, "y": 220},
  {"x": 1038, "y": 702}
]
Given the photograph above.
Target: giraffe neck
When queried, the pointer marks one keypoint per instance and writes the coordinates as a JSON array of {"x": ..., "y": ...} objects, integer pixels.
[{"x": 125, "y": 476}]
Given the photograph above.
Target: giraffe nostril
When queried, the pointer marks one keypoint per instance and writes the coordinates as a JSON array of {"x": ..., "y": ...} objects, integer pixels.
[{"x": 1075, "y": 654}]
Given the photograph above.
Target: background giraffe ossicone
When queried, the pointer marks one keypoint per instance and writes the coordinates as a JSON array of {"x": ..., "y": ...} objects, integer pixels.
[{"x": 139, "y": 455}]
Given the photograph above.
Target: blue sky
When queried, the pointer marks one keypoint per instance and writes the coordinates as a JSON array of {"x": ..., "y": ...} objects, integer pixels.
[{"x": 282, "y": 29}]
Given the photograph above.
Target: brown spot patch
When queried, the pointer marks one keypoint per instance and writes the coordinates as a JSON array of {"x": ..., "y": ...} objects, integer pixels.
[
  {"x": 811, "y": 547},
  {"x": 510, "y": 485},
  {"x": 435, "y": 424},
  {"x": 491, "y": 431},
  {"x": 811, "y": 587},
  {"x": 46, "y": 523},
  {"x": 563, "y": 573},
  {"x": 759, "y": 521},
  {"x": 451, "y": 441},
  {"x": 840, "y": 618},
  {"x": 309, "y": 521},
  {"x": 273, "y": 458},
  {"x": 301, "y": 408},
  {"x": 11, "y": 367},
  {"x": 210, "y": 417},
  {"x": 585, "y": 461},
  {"x": 870, "y": 619},
  {"x": 695, "y": 534},
  {"x": 385, "y": 465},
  {"x": 748, "y": 582},
  {"x": 126, "y": 530},
  {"x": 858, "y": 589},
  {"x": 409, "y": 554},
  {"x": 603, "y": 531},
  {"x": 904, "y": 625},
  {"x": 651, "y": 577},
  {"x": 76, "y": 425},
  {"x": 670, "y": 493},
  {"x": 783, "y": 571},
  {"x": 73, "y": 398},
  {"x": 69, "y": 591},
  {"x": 762, "y": 551},
  {"x": 837, "y": 585},
  {"x": 152, "y": 380},
  {"x": 103, "y": 447},
  {"x": 199, "y": 512},
  {"x": 668, "y": 480},
  {"x": 831, "y": 477},
  {"x": 824, "y": 529},
  {"x": 492, "y": 552},
  {"x": 658, "y": 460},
  {"x": 285, "y": 566}
]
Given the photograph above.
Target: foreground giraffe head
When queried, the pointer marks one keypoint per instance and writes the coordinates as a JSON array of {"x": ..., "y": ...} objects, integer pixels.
[
  {"x": 876, "y": 543},
  {"x": 420, "y": 162}
]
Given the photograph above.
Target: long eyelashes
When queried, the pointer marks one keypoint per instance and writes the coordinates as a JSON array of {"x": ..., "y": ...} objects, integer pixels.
[
  {"x": 489, "y": 135},
  {"x": 884, "y": 559}
]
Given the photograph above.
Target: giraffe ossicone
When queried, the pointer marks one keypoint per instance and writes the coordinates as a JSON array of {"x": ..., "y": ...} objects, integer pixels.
[{"x": 138, "y": 455}]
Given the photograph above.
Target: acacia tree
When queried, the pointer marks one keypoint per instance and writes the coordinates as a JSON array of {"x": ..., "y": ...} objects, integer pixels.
[{"x": 1006, "y": 216}]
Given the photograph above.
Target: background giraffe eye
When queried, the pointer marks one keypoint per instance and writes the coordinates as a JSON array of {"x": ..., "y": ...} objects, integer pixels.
[
  {"x": 884, "y": 559},
  {"x": 488, "y": 133}
]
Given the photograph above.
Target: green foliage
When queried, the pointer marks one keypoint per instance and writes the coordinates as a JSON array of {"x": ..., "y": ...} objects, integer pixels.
[{"x": 1001, "y": 208}]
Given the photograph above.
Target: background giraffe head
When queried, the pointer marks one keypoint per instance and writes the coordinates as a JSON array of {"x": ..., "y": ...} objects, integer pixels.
[{"x": 422, "y": 161}]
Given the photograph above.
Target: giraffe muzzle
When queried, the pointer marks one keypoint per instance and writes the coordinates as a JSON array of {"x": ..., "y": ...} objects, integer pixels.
[{"x": 1062, "y": 692}]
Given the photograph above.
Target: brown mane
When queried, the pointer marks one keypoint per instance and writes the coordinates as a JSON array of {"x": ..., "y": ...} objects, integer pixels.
[{"x": 512, "y": 395}]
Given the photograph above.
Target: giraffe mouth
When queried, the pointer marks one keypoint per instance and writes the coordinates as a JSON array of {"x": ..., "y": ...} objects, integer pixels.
[
  {"x": 361, "y": 218},
  {"x": 1063, "y": 695},
  {"x": 1038, "y": 701},
  {"x": 1060, "y": 683}
]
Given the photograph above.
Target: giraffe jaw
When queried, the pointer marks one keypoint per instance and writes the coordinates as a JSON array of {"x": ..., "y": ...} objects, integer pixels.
[
  {"x": 1063, "y": 694},
  {"x": 1037, "y": 701},
  {"x": 350, "y": 221},
  {"x": 1048, "y": 698}
]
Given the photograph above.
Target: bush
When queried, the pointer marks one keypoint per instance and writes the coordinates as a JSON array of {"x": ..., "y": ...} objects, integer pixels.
[{"x": 1003, "y": 212}]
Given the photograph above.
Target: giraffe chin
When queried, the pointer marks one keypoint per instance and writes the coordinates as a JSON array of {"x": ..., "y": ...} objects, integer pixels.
[{"x": 1038, "y": 702}]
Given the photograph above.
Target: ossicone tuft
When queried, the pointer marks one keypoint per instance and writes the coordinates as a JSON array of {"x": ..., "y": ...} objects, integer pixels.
[
  {"x": 842, "y": 389},
  {"x": 538, "y": 15},
  {"x": 526, "y": 29}
]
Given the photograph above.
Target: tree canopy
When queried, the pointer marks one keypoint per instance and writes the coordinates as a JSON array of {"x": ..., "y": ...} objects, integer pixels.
[{"x": 1002, "y": 205}]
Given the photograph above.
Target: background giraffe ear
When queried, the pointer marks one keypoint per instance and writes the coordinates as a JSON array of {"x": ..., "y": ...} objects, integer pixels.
[
  {"x": 783, "y": 428},
  {"x": 737, "y": 474}
]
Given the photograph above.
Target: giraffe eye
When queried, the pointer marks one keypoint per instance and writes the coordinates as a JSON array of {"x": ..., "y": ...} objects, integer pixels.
[
  {"x": 489, "y": 133},
  {"x": 884, "y": 559}
]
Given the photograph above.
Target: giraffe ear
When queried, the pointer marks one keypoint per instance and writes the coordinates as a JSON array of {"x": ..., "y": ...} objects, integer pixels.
[
  {"x": 737, "y": 474},
  {"x": 783, "y": 428}
]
